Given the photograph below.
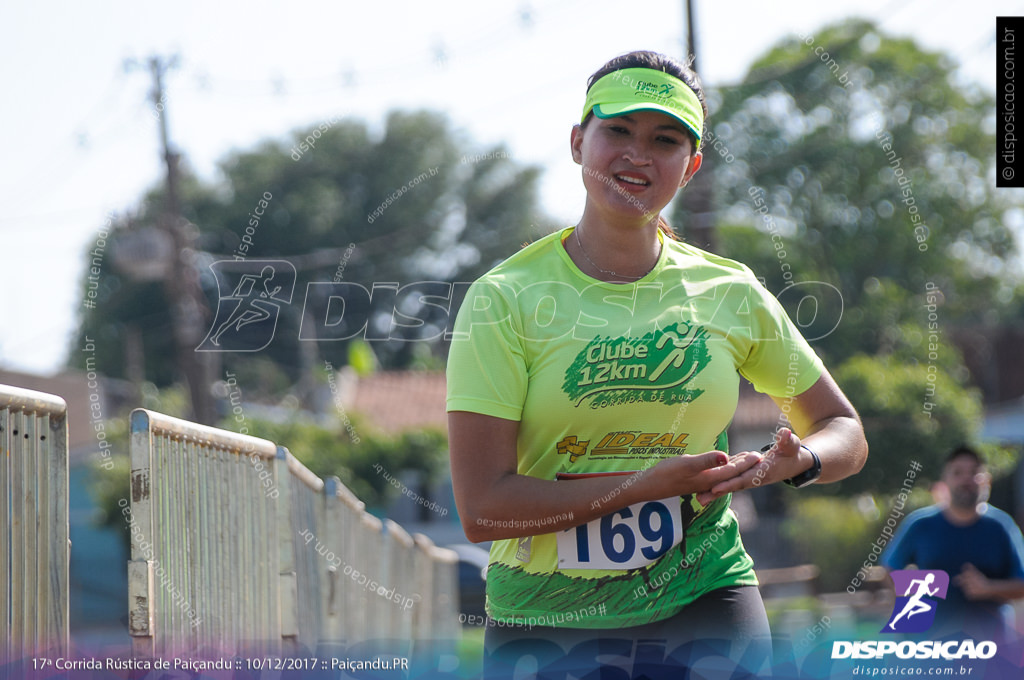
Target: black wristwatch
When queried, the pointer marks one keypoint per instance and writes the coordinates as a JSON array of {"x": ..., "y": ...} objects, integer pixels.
[{"x": 808, "y": 476}]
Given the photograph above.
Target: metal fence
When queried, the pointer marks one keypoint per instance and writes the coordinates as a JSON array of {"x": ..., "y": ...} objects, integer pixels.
[
  {"x": 34, "y": 517},
  {"x": 237, "y": 548}
]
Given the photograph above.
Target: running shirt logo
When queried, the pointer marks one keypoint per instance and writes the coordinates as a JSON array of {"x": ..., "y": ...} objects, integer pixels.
[
  {"x": 573, "y": 447},
  {"x": 654, "y": 367},
  {"x": 625, "y": 445},
  {"x": 914, "y": 611},
  {"x": 524, "y": 549}
]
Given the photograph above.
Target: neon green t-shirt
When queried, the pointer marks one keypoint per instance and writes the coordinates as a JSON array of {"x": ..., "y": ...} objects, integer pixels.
[{"x": 611, "y": 378}]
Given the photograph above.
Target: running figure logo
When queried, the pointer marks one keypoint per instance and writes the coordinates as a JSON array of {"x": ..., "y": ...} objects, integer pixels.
[
  {"x": 914, "y": 611},
  {"x": 246, "y": 318}
]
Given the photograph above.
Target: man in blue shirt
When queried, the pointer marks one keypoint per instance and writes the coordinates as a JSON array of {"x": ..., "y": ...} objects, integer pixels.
[{"x": 979, "y": 546}]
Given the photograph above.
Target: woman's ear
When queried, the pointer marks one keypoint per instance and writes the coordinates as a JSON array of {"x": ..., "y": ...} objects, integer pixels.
[
  {"x": 576, "y": 144},
  {"x": 692, "y": 168}
]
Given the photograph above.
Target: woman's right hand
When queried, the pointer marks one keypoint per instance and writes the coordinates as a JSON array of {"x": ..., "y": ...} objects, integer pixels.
[{"x": 692, "y": 474}]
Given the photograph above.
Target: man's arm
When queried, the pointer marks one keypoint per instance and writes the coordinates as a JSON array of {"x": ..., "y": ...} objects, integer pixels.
[{"x": 977, "y": 586}]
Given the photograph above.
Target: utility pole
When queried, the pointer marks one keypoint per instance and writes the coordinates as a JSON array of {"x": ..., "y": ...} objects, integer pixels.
[
  {"x": 181, "y": 283},
  {"x": 691, "y": 38},
  {"x": 697, "y": 200}
]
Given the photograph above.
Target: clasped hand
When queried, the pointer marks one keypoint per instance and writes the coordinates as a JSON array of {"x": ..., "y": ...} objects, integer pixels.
[{"x": 714, "y": 474}]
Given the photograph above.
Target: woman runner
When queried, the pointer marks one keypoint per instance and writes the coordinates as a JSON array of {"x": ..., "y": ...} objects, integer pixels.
[{"x": 591, "y": 379}]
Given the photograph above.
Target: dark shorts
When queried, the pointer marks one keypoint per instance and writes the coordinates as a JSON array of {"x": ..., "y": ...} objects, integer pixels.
[{"x": 724, "y": 629}]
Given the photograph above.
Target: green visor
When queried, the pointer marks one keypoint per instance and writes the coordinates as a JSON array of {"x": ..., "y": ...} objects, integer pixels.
[{"x": 644, "y": 89}]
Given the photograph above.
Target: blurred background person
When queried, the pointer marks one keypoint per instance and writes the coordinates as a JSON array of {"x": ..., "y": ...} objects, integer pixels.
[{"x": 978, "y": 545}]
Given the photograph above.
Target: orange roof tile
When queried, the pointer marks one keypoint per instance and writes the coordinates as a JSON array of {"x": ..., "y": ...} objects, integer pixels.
[{"x": 394, "y": 401}]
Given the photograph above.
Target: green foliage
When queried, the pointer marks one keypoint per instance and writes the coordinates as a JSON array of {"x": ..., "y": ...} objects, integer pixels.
[
  {"x": 837, "y": 534},
  {"x": 109, "y": 481},
  {"x": 353, "y": 453},
  {"x": 470, "y": 650},
  {"x": 834, "y": 534},
  {"x": 171, "y": 401},
  {"x": 779, "y": 610},
  {"x": 871, "y": 170},
  {"x": 416, "y": 203},
  {"x": 110, "y": 488},
  {"x": 811, "y": 132},
  {"x": 910, "y": 413},
  {"x": 361, "y": 358}
]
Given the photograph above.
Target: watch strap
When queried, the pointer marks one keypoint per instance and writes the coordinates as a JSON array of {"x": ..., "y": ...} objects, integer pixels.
[{"x": 808, "y": 476}]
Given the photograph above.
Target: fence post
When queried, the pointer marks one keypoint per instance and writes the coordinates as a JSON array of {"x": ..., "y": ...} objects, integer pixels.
[
  {"x": 401, "y": 549},
  {"x": 423, "y": 611},
  {"x": 345, "y": 513},
  {"x": 34, "y": 517},
  {"x": 141, "y": 601},
  {"x": 288, "y": 589},
  {"x": 332, "y": 524},
  {"x": 371, "y": 557},
  {"x": 444, "y": 622}
]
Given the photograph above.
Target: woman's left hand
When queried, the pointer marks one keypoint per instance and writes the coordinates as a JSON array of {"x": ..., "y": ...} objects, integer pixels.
[
  {"x": 829, "y": 424},
  {"x": 784, "y": 460}
]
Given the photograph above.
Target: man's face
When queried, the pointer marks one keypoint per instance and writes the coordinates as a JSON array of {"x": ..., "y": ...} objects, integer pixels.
[{"x": 967, "y": 482}]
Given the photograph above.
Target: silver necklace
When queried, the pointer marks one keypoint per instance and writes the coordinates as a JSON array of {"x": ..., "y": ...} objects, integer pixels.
[{"x": 576, "y": 231}]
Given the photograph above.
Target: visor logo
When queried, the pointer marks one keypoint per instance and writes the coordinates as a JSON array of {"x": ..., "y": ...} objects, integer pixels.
[{"x": 654, "y": 89}]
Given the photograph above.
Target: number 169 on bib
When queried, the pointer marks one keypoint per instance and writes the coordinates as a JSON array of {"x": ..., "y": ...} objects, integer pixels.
[{"x": 632, "y": 537}]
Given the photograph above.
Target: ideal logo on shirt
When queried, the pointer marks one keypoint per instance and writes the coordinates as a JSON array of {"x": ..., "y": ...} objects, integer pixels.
[
  {"x": 573, "y": 447},
  {"x": 626, "y": 444},
  {"x": 654, "y": 368}
]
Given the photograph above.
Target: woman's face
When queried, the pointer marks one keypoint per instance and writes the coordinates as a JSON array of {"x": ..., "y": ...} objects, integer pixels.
[{"x": 634, "y": 164}]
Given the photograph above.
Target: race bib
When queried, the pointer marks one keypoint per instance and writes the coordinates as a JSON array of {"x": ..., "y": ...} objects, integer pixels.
[{"x": 632, "y": 537}]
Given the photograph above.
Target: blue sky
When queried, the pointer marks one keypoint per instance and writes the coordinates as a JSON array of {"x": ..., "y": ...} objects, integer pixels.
[{"x": 80, "y": 140}]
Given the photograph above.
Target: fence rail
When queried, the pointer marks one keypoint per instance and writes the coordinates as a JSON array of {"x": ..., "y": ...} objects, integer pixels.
[
  {"x": 237, "y": 548},
  {"x": 34, "y": 515}
]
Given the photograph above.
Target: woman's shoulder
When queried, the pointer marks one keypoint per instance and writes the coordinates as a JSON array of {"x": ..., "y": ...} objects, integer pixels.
[{"x": 689, "y": 256}]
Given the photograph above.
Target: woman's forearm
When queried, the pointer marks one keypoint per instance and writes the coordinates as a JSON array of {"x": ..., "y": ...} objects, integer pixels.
[
  {"x": 495, "y": 501},
  {"x": 841, "y": 446},
  {"x": 517, "y": 505}
]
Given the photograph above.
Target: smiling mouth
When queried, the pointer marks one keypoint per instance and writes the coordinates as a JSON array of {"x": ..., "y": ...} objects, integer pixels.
[{"x": 633, "y": 180}]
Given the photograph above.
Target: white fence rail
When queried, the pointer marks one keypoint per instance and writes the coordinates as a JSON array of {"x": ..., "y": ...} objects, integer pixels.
[
  {"x": 237, "y": 548},
  {"x": 34, "y": 517}
]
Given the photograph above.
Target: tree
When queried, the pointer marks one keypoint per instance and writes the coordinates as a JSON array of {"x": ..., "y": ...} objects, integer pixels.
[
  {"x": 853, "y": 158},
  {"x": 911, "y": 416},
  {"x": 857, "y": 178},
  {"x": 417, "y": 204},
  {"x": 366, "y": 463}
]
